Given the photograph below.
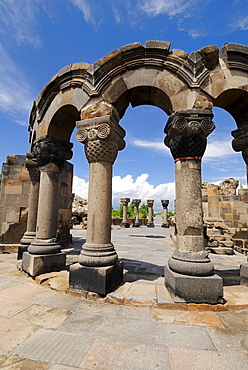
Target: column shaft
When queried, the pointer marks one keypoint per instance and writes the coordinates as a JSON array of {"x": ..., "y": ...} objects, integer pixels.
[
  {"x": 47, "y": 218},
  {"x": 99, "y": 203},
  {"x": 189, "y": 216}
]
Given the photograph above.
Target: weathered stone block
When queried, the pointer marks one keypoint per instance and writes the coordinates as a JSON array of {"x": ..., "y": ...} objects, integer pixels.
[
  {"x": 244, "y": 274},
  {"x": 41, "y": 264},
  {"x": 197, "y": 289},
  {"x": 101, "y": 280}
]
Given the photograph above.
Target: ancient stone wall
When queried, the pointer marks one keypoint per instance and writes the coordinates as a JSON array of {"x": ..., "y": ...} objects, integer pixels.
[
  {"x": 15, "y": 187},
  {"x": 223, "y": 202}
]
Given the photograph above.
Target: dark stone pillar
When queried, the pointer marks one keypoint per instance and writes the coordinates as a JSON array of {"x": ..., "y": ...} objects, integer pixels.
[
  {"x": 165, "y": 222},
  {"x": 240, "y": 144},
  {"x": 98, "y": 270},
  {"x": 124, "y": 222},
  {"x": 44, "y": 252},
  {"x": 150, "y": 222},
  {"x": 136, "y": 203},
  {"x": 190, "y": 274},
  {"x": 30, "y": 234}
]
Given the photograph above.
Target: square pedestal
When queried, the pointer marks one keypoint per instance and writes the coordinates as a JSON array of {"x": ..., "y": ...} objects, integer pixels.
[
  {"x": 101, "y": 280},
  {"x": 40, "y": 264},
  {"x": 244, "y": 274},
  {"x": 195, "y": 289}
]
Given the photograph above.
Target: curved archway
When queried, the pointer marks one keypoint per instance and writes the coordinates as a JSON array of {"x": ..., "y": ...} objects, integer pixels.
[{"x": 185, "y": 86}]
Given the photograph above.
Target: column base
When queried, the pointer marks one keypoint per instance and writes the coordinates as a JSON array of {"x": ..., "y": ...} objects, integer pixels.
[
  {"x": 136, "y": 224},
  {"x": 101, "y": 280},
  {"x": 244, "y": 274},
  {"x": 165, "y": 225},
  {"x": 194, "y": 289},
  {"x": 36, "y": 265},
  {"x": 150, "y": 224},
  {"x": 21, "y": 249},
  {"x": 125, "y": 224}
]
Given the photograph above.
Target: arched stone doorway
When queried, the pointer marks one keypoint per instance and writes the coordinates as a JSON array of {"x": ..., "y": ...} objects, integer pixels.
[{"x": 94, "y": 98}]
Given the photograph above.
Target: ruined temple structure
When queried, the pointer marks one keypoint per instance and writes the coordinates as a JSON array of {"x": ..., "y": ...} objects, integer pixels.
[
  {"x": 18, "y": 173},
  {"x": 93, "y": 98},
  {"x": 225, "y": 214}
]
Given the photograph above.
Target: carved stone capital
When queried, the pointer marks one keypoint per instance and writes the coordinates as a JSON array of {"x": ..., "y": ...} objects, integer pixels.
[
  {"x": 125, "y": 201},
  {"x": 51, "y": 152},
  {"x": 102, "y": 136},
  {"x": 165, "y": 203},
  {"x": 187, "y": 131},
  {"x": 136, "y": 202},
  {"x": 33, "y": 168},
  {"x": 150, "y": 202},
  {"x": 240, "y": 142}
]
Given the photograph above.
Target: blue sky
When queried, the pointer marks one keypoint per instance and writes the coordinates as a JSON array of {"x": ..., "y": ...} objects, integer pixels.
[{"x": 39, "y": 37}]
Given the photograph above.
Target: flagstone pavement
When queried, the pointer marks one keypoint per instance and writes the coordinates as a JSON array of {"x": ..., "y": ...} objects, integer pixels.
[{"x": 44, "y": 325}]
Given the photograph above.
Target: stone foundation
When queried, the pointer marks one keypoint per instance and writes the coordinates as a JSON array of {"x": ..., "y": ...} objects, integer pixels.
[
  {"x": 36, "y": 265},
  {"x": 193, "y": 289},
  {"x": 101, "y": 280}
]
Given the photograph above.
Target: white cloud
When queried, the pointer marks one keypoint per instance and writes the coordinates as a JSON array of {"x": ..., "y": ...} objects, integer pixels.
[
  {"x": 168, "y": 7},
  {"x": 138, "y": 188},
  {"x": 18, "y": 20},
  {"x": 84, "y": 7},
  {"x": 153, "y": 145},
  {"x": 15, "y": 91},
  {"x": 218, "y": 149},
  {"x": 242, "y": 23}
]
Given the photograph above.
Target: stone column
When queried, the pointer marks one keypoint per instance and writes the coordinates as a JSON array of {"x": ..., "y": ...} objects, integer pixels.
[
  {"x": 240, "y": 144},
  {"x": 165, "y": 222},
  {"x": 150, "y": 203},
  {"x": 124, "y": 222},
  {"x": 190, "y": 273},
  {"x": 29, "y": 235},
  {"x": 136, "y": 203},
  {"x": 44, "y": 253},
  {"x": 98, "y": 270}
]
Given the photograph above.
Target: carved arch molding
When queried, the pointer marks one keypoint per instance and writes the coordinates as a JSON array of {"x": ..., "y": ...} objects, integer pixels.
[{"x": 155, "y": 74}]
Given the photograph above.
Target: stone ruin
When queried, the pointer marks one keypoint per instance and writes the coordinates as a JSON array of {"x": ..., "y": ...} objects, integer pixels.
[
  {"x": 79, "y": 211},
  {"x": 225, "y": 215},
  {"x": 94, "y": 98}
]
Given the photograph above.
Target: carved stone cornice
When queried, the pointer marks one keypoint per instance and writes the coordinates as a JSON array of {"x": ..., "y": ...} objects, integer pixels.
[
  {"x": 52, "y": 151},
  {"x": 235, "y": 56},
  {"x": 187, "y": 131},
  {"x": 102, "y": 136}
]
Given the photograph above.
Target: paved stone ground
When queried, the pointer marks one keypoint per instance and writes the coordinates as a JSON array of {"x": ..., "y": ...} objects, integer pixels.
[{"x": 43, "y": 327}]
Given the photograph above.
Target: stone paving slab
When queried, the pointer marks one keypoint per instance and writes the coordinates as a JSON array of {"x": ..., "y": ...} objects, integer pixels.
[
  {"x": 183, "y": 336},
  {"x": 12, "y": 333},
  {"x": 53, "y": 346},
  {"x": 107, "y": 354},
  {"x": 41, "y": 316},
  {"x": 187, "y": 359},
  {"x": 19, "y": 363},
  {"x": 11, "y": 307}
]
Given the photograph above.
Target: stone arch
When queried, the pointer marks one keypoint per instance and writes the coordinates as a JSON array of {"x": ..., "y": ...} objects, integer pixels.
[{"x": 186, "y": 87}]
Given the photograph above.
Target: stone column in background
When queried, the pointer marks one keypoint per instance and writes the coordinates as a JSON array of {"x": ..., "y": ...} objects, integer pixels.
[
  {"x": 165, "y": 222},
  {"x": 136, "y": 203},
  {"x": 190, "y": 273},
  {"x": 98, "y": 270},
  {"x": 150, "y": 203},
  {"x": 44, "y": 253},
  {"x": 124, "y": 222},
  {"x": 34, "y": 173},
  {"x": 240, "y": 144}
]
